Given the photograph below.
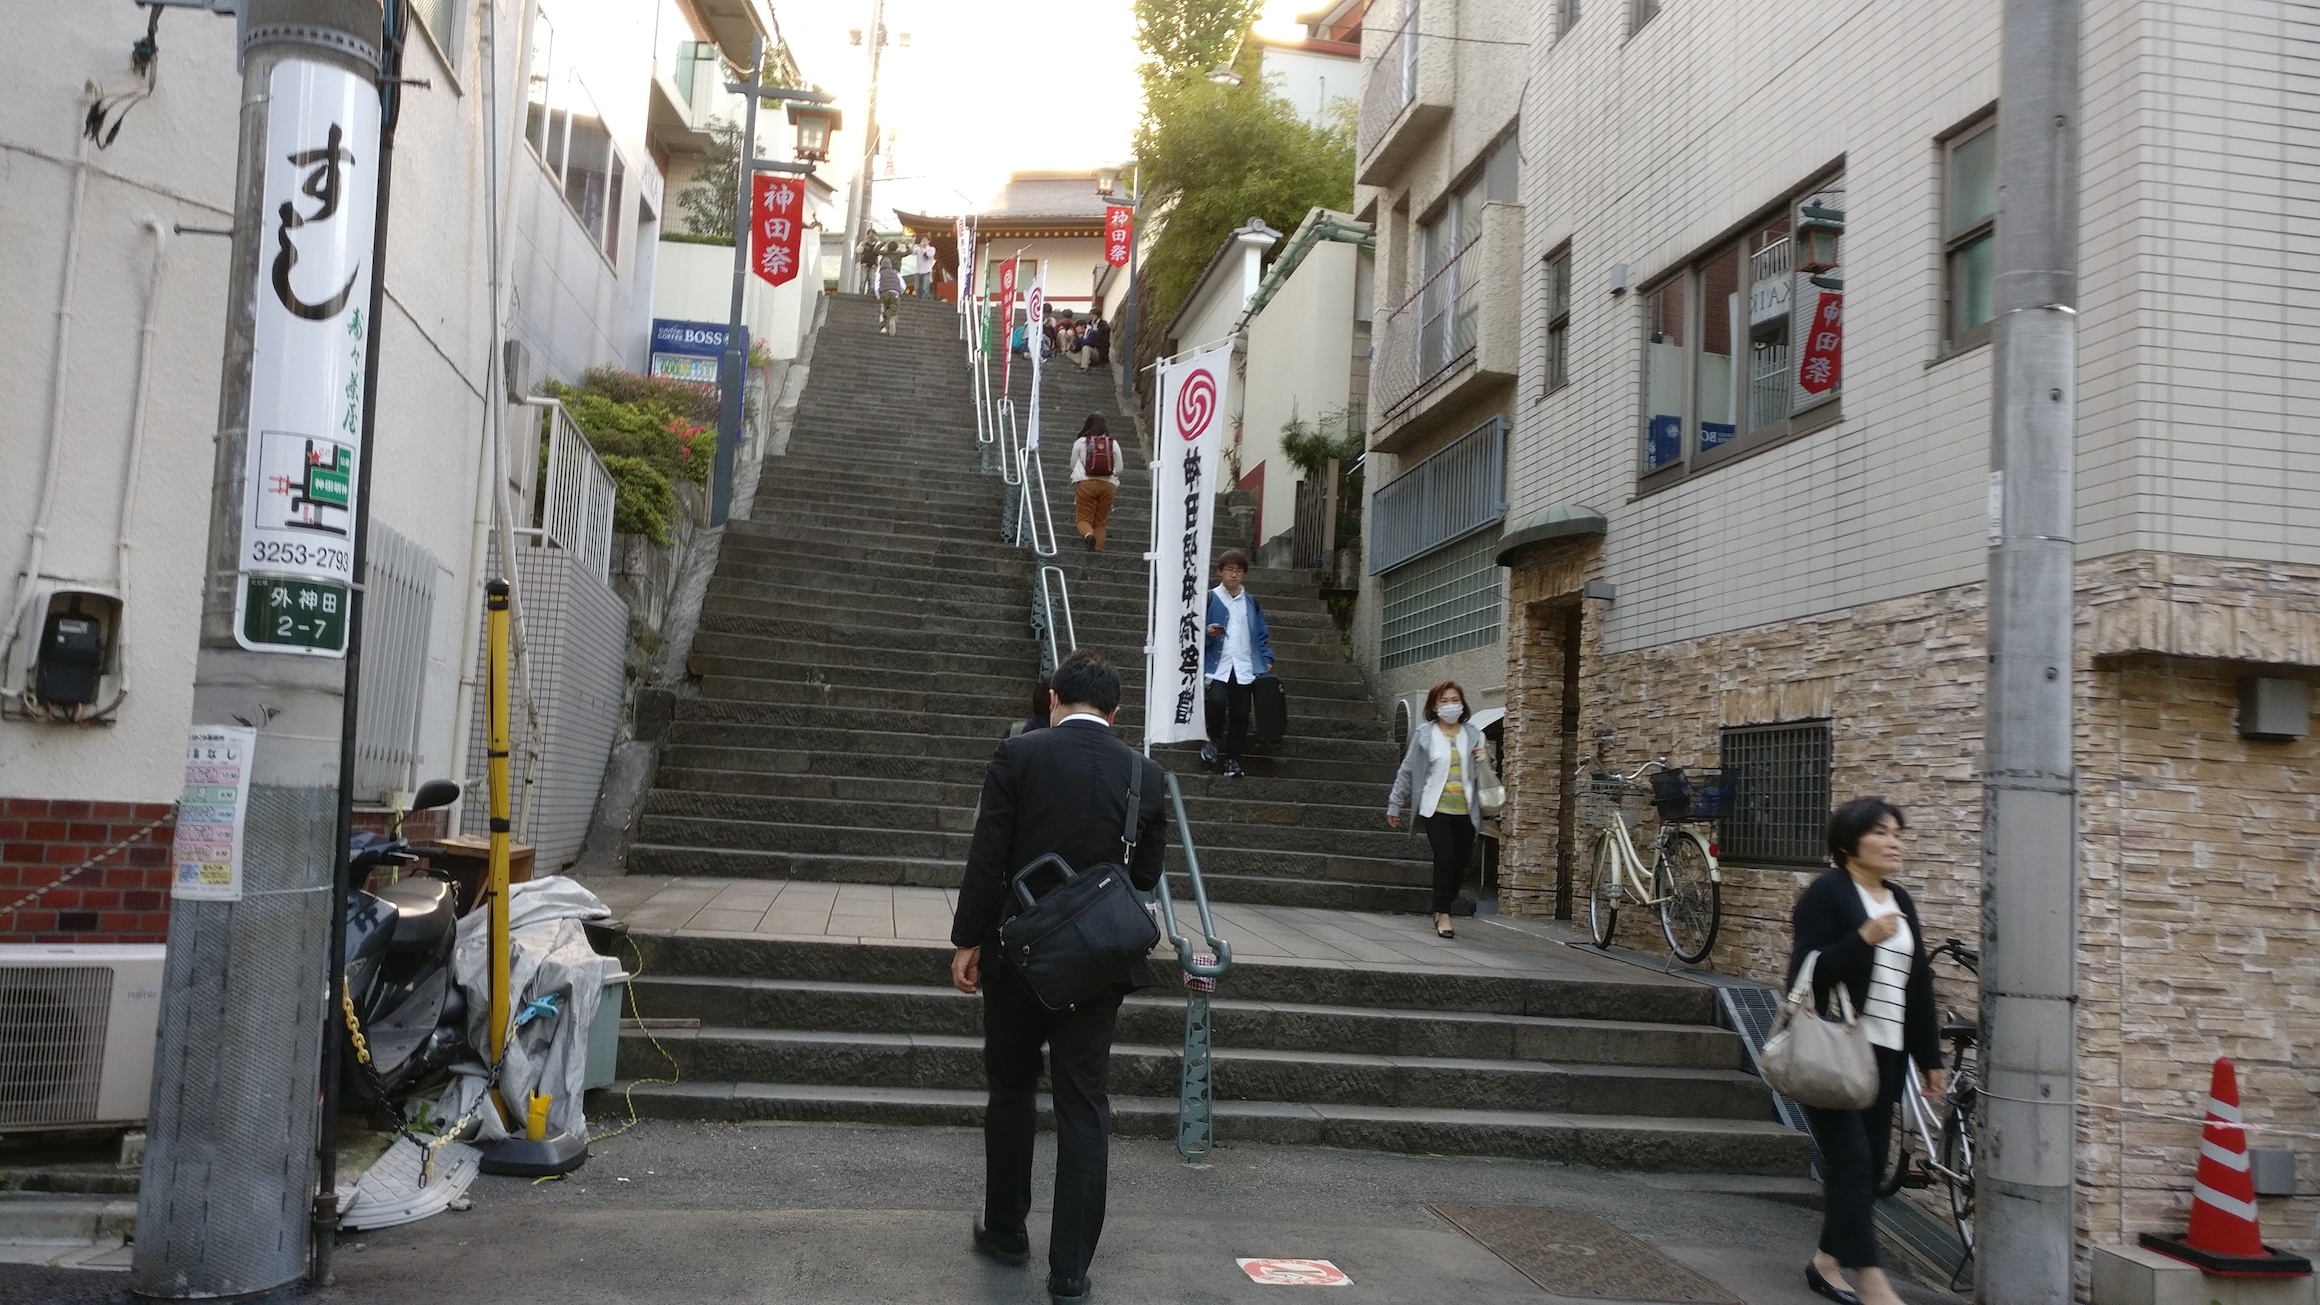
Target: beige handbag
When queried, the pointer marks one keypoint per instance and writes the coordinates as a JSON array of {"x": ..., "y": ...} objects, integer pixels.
[
  {"x": 1815, "y": 1061},
  {"x": 1489, "y": 793}
]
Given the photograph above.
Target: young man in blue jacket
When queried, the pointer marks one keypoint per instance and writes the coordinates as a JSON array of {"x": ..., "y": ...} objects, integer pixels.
[{"x": 1239, "y": 650}]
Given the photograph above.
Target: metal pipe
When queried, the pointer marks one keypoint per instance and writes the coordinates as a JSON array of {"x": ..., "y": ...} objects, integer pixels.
[
  {"x": 2025, "y": 1235},
  {"x": 324, "y": 1232}
]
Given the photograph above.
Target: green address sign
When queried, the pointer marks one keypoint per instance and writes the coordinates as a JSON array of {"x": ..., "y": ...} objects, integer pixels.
[{"x": 284, "y": 612}]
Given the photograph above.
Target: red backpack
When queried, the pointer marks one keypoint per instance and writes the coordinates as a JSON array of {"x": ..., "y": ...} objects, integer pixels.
[{"x": 1100, "y": 458}]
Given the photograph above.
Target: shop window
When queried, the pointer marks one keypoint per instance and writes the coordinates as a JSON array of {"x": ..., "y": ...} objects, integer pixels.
[{"x": 1744, "y": 346}]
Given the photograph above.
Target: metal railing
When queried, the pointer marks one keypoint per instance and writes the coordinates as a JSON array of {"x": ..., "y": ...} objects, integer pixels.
[
  {"x": 1392, "y": 82},
  {"x": 1328, "y": 514},
  {"x": 398, "y": 606},
  {"x": 1033, "y": 475},
  {"x": 1432, "y": 331},
  {"x": 1051, "y": 598},
  {"x": 1457, "y": 490},
  {"x": 1195, "y": 1096},
  {"x": 576, "y": 500}
]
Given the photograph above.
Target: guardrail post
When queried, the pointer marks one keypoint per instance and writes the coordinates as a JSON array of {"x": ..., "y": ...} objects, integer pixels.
[{"x": 1195, "y": 1098}]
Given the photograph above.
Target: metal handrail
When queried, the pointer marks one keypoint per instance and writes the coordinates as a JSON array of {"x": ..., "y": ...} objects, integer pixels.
[
  {"x": 1027, "y": 523},
  {"x": 1195, "y": 1096},
  {"x": 1010, "y": 443},
  {"x": 1043, "y": 612}
]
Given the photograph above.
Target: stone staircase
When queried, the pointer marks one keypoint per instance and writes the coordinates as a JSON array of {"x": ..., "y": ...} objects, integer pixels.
[
  {"x": 1306, "y": 825},
  {"x": 864, "y": 644}
]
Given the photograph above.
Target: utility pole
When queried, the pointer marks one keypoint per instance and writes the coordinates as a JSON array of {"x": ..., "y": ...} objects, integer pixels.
[
  {"x": 858, "y": 195},
  {"x": 229, "y": 1165},
  {"x": 2024, "y": 1228}
]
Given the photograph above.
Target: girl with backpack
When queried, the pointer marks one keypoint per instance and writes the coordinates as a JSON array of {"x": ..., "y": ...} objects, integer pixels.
[{"x": 1095, "y": 479}]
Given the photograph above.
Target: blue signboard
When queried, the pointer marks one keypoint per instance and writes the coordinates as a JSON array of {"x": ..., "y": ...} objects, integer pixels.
[{"x": 696, "y": 339}]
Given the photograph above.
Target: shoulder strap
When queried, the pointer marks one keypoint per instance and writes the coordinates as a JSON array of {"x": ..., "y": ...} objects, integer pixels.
[{"x": 1129, "y": 828}]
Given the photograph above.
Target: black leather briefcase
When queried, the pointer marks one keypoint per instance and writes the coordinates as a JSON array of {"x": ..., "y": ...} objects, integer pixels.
[{"x": 1077, "y": 940}]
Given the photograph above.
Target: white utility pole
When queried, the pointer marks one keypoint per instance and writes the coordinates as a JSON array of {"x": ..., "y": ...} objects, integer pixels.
[
  {"x": 2024, "y": 1233},
  {"x": 858, "y": 195}
]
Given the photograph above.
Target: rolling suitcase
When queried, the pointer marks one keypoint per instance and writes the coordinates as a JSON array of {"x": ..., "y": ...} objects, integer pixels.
[{"x": 1270, "y": 709}]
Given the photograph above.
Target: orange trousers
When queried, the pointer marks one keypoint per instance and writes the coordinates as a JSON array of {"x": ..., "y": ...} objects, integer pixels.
[{"x": 1092, "y": 507}]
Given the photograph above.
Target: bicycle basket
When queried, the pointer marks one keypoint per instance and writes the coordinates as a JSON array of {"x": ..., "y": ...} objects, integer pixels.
[
  {"x": 1691, "y": 794},
  {"x": 1603, "y": 795}
]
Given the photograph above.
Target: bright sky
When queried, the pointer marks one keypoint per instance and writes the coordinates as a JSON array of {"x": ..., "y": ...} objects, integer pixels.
[{"x": 985, "y": 88}]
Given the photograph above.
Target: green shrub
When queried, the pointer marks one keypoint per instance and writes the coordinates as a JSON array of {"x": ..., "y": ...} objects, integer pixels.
[{"x": 643, "y": 501}]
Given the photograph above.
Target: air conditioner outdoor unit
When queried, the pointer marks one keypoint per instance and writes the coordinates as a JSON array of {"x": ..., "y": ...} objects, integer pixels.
[{"x": 76, "y": 1034}]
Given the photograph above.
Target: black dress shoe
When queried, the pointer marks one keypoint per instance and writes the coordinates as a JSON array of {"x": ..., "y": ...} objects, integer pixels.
[
  {"x": 1066, "y": 1290},
  {"x": 1006, "y": 1250},
  {"x": 1823, "y": 1287}
]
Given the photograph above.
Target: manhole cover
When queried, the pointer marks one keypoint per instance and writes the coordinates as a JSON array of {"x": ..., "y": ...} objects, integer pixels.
[{"x": 1570, "y": 1253}]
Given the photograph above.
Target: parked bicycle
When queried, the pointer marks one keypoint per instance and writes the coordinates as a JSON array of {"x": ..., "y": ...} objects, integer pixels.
[
  {"x": 1935, "y": 1142},
  {"x": 1682, "y": 881}
]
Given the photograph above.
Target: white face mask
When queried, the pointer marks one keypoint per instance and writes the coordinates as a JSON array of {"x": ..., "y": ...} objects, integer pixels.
[{"x": 1449, "y": 712}]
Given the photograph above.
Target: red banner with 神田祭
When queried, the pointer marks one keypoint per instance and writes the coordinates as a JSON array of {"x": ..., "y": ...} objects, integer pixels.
[
  {"x": 1119, "y": 233},
  {"x": 776, "y": 226},
  {"x": 1006, "y": 323}
]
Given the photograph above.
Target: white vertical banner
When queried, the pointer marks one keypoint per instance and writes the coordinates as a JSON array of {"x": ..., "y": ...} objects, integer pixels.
[
  {"x": 1191, "y": 419},
  {"x": 1038, "y": 346},
  {"x": 309, "y": 334}
]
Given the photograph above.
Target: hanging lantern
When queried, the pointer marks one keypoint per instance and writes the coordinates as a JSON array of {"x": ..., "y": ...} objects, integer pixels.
[
  {"x": 1817, "y": 233},
  {"x": 814, "y": 123}
]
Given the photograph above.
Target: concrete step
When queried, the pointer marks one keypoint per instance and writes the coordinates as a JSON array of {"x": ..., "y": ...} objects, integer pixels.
[
  {"x": 954, "y": 1061},
  {"x": 989, "y": 695},
  {"x": 979, "y": 717},
  {"x": 1206, "y": 796},
  {"x": 1645, "y": 998},
  {"x": 1157, "y": 1017},
  {"x": 1605, "y": 1141}
]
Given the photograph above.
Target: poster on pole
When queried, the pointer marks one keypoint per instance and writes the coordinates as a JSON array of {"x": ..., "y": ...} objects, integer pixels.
[
  {"x": 963, "y": 236},
  {"x": 212, "y": 812},
  {"x": 1191, "y": 416},
  {"x": 310, "y": 332},
  {"x": 1033, "y": 317},
  {"x": 1006, "y": 324},
  {"x": 776, "y": 226}
]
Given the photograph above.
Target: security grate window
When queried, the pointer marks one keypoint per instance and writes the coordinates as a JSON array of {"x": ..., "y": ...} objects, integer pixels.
[
  {"x": 1443, "y": 603},
  {"x": 1780, "y": 804},
  {"x": 1456, "y": 491}
]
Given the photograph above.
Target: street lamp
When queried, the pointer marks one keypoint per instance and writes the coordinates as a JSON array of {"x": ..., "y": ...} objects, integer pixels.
[{"x": 814, "y": 123}]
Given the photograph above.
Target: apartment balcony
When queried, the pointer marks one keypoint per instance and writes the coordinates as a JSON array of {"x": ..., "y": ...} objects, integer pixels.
[
  {"x": 1455, "y": 339},
  {"x": 688, "y": 90},
  {"x": 1405, "y": 94}
]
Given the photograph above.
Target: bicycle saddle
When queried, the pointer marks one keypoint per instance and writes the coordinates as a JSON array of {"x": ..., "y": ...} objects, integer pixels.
[{"x": 1965, "y": 1032}]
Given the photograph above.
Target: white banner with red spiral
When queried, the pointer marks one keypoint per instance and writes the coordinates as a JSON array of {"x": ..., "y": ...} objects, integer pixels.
[{"x": 1192, "y": 417}]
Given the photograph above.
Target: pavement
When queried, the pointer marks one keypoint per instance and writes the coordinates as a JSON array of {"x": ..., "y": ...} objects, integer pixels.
[{"x": 680, "y": 1211}]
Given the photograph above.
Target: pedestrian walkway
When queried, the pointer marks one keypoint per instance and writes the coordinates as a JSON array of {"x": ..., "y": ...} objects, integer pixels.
[{"x": 880, "y": 913}]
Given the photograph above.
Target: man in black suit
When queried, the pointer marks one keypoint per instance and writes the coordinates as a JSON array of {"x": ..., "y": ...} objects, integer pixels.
[{"x": 1063, "y": 790}]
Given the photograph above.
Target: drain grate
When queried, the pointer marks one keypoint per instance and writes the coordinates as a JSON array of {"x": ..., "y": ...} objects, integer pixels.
[{"x": 1571, "y": 1253}]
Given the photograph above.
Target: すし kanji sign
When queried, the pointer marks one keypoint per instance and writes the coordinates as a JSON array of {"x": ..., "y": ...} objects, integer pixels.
[
  {"x": 1119, "y": 233},
  {"x": 309, "y": 339},
  {"x": 776, "y": 226},
  {"x": 1822, "y": 366},
  {"x": 1294, "y": 1273}
]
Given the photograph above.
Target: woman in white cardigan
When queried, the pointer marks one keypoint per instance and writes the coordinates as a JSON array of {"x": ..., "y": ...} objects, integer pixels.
[{"x": 1438, "y": 778}]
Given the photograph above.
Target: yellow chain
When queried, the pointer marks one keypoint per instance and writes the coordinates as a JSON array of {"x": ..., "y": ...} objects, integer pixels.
[{"x": 362, "y": 1051}]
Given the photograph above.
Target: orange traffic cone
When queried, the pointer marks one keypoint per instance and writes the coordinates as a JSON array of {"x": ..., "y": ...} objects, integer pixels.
[{"x": 2225, "y": 1238}]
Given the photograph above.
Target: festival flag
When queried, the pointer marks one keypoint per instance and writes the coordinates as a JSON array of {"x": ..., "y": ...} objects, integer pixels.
[
  {"x": 776, "y": 226},
  {"x": 1119, "y": 233},
  {"x": 1191, "y": 417}
]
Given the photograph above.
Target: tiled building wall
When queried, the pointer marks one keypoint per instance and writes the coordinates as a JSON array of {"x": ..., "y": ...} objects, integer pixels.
[{"x": 2199, "y": 854}]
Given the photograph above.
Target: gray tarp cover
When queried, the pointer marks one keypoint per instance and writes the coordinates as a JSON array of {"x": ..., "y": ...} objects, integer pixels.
[{"x": 551, "y": 956}]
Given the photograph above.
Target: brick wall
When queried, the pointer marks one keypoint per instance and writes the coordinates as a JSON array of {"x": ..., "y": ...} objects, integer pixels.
[
  {"x": 122, "y": 899},
  {"x": 2199, "y": 852}
]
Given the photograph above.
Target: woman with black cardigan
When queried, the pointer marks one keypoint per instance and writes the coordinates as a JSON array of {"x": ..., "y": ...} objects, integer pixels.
[{"x": 1866, "y": 933}]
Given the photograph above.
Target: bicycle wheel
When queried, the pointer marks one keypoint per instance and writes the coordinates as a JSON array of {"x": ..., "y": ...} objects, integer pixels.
[
  {"x": 1691, "y": 905},
  {"x": 1957, "y": 1158},
  {"x": 1603, "y": 890},
  {"x": 1893, "y": 1166}
]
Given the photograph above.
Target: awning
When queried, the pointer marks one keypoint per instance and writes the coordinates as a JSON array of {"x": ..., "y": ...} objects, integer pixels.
[{"x": 1563, "y": 521}]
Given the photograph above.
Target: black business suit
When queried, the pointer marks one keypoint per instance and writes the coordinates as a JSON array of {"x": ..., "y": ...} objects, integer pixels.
[
  {"x": 1062, "y": 790},
  {"x": 1828, "y": 920}
]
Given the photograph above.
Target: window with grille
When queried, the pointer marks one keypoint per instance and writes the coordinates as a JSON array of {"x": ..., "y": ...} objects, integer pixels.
[
  {"x": 1557, "y": 372},
  {"x": 1445, "y": 602},
  {"x": 1780, "y": 801}
]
